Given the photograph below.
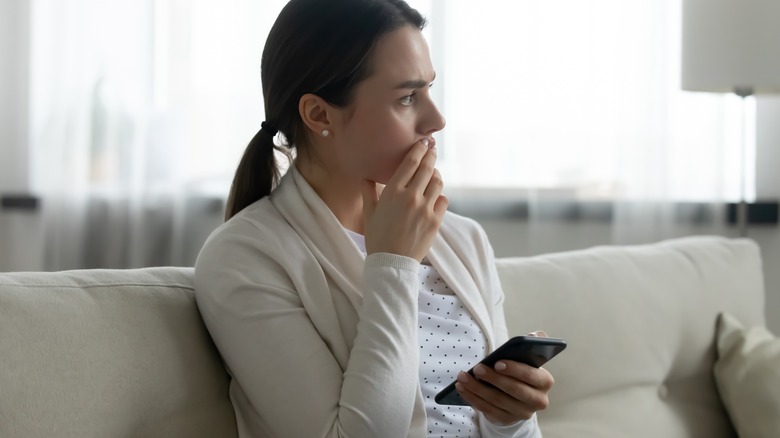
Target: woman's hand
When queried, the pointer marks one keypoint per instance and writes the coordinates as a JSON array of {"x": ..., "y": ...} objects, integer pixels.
[
  {"x": 405, "y": 217},
  {"x": 520, "y": 390}
]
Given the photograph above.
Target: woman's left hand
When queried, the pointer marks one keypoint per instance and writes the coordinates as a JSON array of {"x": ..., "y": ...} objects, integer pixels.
[{"x": 520, "y": 390}]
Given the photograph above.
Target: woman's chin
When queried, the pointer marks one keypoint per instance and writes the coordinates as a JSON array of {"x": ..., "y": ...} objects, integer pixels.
[
  {"x": 385, "y": 174},
  {"x": 379, "y": 177},
  {"x": 380, "y": 181}
]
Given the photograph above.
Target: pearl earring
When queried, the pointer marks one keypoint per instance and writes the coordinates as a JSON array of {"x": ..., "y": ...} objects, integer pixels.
[{"x": 325, "y": 133}]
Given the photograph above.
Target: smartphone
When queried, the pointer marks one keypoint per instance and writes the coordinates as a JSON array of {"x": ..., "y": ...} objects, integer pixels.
[{"x": 530, "y": 350}]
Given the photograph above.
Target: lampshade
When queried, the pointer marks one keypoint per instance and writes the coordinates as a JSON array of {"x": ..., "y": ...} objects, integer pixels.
[{"x": 730, "y": 44}]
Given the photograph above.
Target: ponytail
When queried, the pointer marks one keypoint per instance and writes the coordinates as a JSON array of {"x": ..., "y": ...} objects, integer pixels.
[{"x": 257, "y": 173}]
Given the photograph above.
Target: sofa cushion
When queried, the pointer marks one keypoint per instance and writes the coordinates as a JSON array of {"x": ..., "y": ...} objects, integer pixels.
[
  {"x": 747, "y": 373},
  {"x": 108, "y": 353},
  {"x": 640, "y": 324}
]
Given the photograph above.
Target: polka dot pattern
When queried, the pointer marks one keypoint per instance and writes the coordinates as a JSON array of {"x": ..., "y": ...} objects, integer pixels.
[{"x": 450, "y": 341}]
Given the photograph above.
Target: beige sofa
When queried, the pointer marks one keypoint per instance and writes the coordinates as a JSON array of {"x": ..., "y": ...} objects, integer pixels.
[{"x": 105, "y": 353}]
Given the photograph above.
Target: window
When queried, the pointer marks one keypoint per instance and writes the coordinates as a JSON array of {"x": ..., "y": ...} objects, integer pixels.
[
  {"x": 579, "y": 99},
  {"x": 574, "y": 97}
]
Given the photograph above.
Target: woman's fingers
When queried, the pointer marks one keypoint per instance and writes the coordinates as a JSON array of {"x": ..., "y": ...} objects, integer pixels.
[
  {"x": 493, "y": 402},
  {"x": 406, "y": 171},
  {"x": 509, "y": 393},
  {"x": 405, "y": 218},
  {"x": 434, "y": 186},
  {"x": 520, "y": 384},
  {"x": 538, "y": 334},
  {"x": 422, "y": 177},
  {"x": 496, "y": 414},
  {"x": 507, "y": 372},
  {"x": 440, "y": 205}
]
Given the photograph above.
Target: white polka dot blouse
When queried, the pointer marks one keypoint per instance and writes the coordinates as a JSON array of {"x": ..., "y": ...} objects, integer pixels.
[{"x": 450, "y": 341}]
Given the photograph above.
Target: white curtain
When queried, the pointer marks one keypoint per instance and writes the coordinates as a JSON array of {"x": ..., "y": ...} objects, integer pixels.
[
  {"x": 140, "y": 110},
  {"x": 578, "y": 102}
]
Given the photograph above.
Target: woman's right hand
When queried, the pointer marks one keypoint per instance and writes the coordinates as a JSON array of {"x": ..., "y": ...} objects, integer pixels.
[{"x": 405, "y": 217}]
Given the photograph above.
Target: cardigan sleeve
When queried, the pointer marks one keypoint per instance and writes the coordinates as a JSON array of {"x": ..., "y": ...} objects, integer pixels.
[
  {"x": 290, "y": 380},
  {"x": 522, "y": 429}
]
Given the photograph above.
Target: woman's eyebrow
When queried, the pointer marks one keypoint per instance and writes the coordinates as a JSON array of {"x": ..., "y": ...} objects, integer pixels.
[{"x": 418, "y": 83}]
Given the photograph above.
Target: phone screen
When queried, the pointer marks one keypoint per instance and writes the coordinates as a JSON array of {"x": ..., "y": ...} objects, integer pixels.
[{"x": 530, "y": 350}]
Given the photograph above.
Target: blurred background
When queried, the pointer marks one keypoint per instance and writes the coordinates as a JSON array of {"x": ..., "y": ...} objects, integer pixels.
[{"x": 122, "y": 122}]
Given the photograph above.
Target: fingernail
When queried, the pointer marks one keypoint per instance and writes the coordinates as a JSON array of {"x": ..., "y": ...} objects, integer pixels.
[
  {"x": 480, "y": 370},
  {"x": 425, "y": 142},
  {"x": 459, "y": 387},
  {"x": 463, "y": 377},
  {"x": 500, "y": 366}
]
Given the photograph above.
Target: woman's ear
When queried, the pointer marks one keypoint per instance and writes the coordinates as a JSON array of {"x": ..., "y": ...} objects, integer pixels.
[{"x": 317, "y": 115}]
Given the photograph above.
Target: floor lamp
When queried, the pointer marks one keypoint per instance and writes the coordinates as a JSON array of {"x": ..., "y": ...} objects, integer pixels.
[{"x": 732, "y": 46}]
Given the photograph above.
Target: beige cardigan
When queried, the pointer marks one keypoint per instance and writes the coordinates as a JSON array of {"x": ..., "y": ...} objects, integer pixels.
[{"x": 320, "y": 341}]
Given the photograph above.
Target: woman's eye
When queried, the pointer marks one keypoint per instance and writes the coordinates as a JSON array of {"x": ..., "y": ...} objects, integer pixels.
[{"x": 407, "y": 100}]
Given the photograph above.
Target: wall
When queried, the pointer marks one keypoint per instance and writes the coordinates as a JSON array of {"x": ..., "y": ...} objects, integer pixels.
[
  {"x": 20, "y": 237},
  {"x": 768, "y": 187},
  {"x": 13, "y": 96}
]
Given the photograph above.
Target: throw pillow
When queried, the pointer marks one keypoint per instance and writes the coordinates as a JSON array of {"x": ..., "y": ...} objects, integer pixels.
[{"x": 747, "y": 373}]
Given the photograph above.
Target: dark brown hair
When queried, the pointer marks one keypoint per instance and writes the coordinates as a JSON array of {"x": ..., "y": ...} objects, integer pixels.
[{"x": 315, "y": 46}]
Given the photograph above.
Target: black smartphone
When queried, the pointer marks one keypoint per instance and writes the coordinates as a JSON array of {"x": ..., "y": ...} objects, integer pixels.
[{"x": 531, "y": 350}]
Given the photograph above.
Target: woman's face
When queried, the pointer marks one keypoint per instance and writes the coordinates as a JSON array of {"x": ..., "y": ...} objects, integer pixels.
[{"x": 391, "y": 111}]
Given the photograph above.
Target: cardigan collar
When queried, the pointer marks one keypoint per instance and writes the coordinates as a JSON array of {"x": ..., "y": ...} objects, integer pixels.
[
  {"x": 322, "y": 233},
  {"x": 342, "y": 260}
]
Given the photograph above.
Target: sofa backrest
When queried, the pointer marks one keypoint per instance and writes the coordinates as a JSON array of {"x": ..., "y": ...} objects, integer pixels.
[
  {"x": 108, "y": 354},
  {"x": 124, "y": 353},
  {"x": 640, "y": 324}
]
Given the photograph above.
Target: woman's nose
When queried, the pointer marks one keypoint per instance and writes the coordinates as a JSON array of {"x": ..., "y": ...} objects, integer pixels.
[{"x": 434, "y": 120}]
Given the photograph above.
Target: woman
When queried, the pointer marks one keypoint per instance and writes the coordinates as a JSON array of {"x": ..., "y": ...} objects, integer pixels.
[{"x": 343, "y": 296}]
